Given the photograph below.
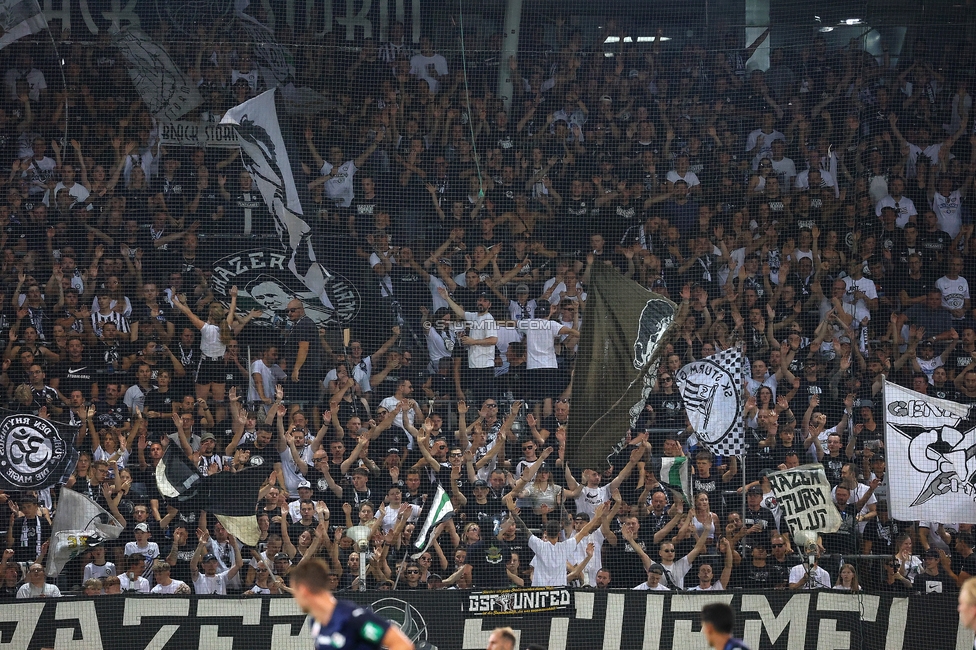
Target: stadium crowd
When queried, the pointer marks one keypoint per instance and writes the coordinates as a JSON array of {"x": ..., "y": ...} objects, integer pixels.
[{"x": 814, "y": 211}]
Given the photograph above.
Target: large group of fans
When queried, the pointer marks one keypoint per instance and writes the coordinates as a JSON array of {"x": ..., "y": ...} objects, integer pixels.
[{"x": 813, "y": 211}]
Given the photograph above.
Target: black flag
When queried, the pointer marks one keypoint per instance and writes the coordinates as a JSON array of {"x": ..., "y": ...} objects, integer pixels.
[
  {"x": 626, "y": 328},
  {"x": 231, "y": 496}
]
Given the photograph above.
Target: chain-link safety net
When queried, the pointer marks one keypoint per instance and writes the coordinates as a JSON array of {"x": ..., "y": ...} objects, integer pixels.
[{"x": 509, "y": 312}]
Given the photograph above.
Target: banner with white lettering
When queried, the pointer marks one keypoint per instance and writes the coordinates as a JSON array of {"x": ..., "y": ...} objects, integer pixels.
[
  {"x": 443, "y": 620},
  {"x": 167, "y": 91},
  {"x": 803, "y": 495},
  {"x": 519, "y": 601},
  {"x": 186, "y": 133},
  {"x": 931, "y": 445}
]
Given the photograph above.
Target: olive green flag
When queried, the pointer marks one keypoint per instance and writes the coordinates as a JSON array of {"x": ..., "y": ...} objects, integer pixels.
[{"x": 624, "y": 330}]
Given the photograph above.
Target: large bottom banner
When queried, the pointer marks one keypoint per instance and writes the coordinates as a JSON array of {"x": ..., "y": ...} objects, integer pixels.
[{"x": 557, "y": 619}]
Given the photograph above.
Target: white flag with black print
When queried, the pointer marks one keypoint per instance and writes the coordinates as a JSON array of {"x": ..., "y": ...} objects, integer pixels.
[
  {"x": 20, "y": 18},
  {"x": 931, "y": 449},
  {"x": 711, "y": 389},
  {"x": 167, "y": 91}
]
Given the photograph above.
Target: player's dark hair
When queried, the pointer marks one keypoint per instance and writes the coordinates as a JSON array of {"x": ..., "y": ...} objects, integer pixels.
[
  {"x": 720, "y": 616},
  {"x": 312, "y": 574}
]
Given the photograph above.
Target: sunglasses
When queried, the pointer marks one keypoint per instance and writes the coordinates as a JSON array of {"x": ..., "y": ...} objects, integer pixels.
[
  {"x": 456, "y": 454},
  {"x": 412, "y": 571},
  {"x": 666, "y": 379},
  {"x": 491, "y": 406}
]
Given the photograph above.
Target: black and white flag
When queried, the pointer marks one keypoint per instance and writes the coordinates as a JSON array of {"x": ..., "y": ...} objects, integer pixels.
[
  {"x": 265, "y": 156},
  {"x": 79, "y": 525},
  {"x": 165, "y": 89},
  {"x": 711, "y": 389},
  {"x": 20, "y": 18},
  {"x": 931, "y": 453},
  {"x": 34, "y": 454},
  {"x": 230, "y": 496}
]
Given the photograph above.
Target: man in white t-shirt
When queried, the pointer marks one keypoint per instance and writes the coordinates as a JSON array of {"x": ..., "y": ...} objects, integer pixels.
[
  {"x": 903, "y": 205},
  {"x": 541, "y": 366},
  {"x": 812, "y": 577},
  {"x": 955, "y": 290},
  {"x": 551, "y": 555},
  {"x": 580, "y": 521},
  {"x": 947, "y": 205},
  {"x": 165, "y": 584},
  {"x": 675, "y": 570},
  {"x": 654, "y": 582},
  {"x": 480, "y": 342},
  {"x": 263, "y": 380},
  {"x": 706, "y": 572},
  {"x": 759, "y": 144},
  {"x": 210, "y": 582},
  {"x": 428, "y": 65},
  {"x": 337, "y": 176},
  {"x": 682, "y": 172},
  {"x": 859, "y": 290}
]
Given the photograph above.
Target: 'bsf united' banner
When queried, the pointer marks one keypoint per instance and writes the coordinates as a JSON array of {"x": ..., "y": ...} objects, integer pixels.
[
  {"x": 803, "y": 494},
  {"x": 931, "y": 445}
]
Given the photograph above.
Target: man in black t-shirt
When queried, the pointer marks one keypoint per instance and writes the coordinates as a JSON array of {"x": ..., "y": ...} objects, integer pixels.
[
  {"x": 77, "y": 372},
  {"x": 488, "y": 560},
  {"x": 758, "y": 520},
  {"x": 759, "y": 573},
  {"x": 301, "y": 355},
  {"x": 933, "y": 579}
]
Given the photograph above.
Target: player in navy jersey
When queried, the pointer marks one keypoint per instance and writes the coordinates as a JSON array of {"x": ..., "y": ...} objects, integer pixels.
[
  {"x": 340, "y": 623},
  {"x": 718, "y": 619}
]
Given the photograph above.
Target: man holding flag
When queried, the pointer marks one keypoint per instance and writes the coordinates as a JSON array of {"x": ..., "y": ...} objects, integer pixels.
[{"x": 438, "y": 508}]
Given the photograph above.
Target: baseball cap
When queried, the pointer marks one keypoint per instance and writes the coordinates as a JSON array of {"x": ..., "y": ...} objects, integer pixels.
[
  {"x": 606, "y": 98},
  {"x": 878, "y": 458},
  {"x": 755, "y": 489},
  {"x": 544, "y": 467},
  {"x": 844, "y": 339},
  {"x": 144, "y": 527},
  {"x": 581, "y": 516},
  {"x": 206, "y": 435},
  {"x": 522, "y": 288},
  {"x": 209, "y": 557},
  {"x": 927, "y": 344},
  {"x": 304, "y": 484},
  {"x": 480, "y": 483},
  {"x": 931, "y": 553},
  {"x": 393, "y": 450},
  {"x": 281, "y": 556}
]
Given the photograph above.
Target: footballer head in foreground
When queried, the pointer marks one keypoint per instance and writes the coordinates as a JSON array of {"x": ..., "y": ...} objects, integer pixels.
[
  {"x": 340, "y": 623},
  {"x": 718, "y": 619}
]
